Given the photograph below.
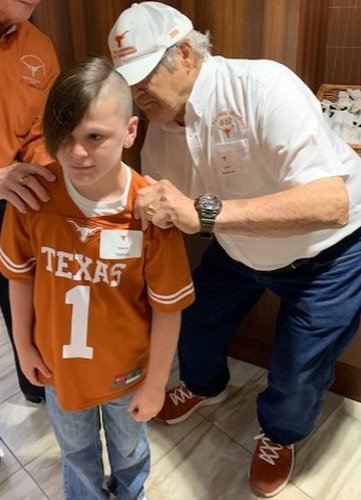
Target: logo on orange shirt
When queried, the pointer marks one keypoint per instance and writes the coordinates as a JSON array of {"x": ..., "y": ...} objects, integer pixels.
[
  {"x": 84, "y": 232},
  {"x": 32, "y": 71},
  {"x": 127, "y": 378}
]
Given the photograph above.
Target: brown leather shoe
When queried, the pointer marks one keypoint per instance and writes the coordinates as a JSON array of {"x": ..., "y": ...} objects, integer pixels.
[
  {"x": 271, "y": 467},
  {"x": 180, "y": 403}
]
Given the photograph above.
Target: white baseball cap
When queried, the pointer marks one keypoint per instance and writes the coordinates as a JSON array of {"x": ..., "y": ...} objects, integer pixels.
[{"x": 142, "y": 34}]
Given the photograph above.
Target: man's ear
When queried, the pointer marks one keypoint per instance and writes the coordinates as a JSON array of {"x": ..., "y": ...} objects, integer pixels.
[
  {"x": 187, "y": 54},
  {"x": 131, "y": 132}
]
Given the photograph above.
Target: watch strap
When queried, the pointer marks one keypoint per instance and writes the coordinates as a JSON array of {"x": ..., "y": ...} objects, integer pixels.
[
  {"x": 208, "y": 207},
  {"x": 206, "y": 227}
]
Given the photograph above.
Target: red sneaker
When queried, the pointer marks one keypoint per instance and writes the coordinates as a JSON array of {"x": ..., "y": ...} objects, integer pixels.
[
  {"x": 180, "y": 403},
  {"x": 271, "y": 467}
]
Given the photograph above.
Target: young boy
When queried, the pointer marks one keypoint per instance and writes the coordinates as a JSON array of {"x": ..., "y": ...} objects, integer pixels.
[{"x": 95, "y": 300}]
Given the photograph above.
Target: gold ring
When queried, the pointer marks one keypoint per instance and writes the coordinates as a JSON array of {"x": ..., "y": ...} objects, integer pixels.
[
  {"x": 24, "y": 179},
  {"x": 150, "y": 210}
]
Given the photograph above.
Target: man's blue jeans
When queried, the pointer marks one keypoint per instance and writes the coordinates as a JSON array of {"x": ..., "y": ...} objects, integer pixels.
[
  {"x": 318, "y": 316},
  {"x": 77, "y": 434}
]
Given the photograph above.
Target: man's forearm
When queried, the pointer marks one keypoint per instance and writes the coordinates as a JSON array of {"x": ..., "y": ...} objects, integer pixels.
[{"x": 319, "y": 205}]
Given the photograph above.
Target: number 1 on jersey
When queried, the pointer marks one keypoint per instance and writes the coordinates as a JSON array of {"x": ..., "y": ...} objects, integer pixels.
[{"x": 79, "y": 298}]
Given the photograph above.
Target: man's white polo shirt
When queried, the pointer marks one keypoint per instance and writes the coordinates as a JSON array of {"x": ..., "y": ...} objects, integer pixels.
[{"x": 252, "y": 128}]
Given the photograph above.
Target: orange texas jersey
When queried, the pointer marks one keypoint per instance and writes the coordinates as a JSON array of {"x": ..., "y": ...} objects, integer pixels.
[
  {"x": 28, "y": 67},
  {"x": 92, "y": 312}
]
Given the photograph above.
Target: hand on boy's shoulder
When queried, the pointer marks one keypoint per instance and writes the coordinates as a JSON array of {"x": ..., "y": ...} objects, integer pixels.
[{"x": 20, "y": 187}]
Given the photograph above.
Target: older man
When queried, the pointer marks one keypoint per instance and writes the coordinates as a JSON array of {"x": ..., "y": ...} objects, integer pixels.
[{"x": 241, "y": 152}]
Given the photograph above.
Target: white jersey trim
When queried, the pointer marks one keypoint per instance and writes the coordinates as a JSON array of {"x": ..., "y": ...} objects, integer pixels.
[
  {"x": 172, "y": 298},
  {"x": 17, "y": 268}
]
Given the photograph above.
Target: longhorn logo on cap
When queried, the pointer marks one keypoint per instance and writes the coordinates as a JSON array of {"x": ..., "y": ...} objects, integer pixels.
[{"x": 119, "y": 38}]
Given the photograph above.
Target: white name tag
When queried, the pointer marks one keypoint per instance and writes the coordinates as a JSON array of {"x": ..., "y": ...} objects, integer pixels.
[{"x": 120, "y": 244}]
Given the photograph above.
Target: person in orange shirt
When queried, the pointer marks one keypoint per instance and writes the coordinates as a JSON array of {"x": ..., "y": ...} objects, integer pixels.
[
  {"x": 28, "y": 67},
  {"x": 95, "y": 300}
]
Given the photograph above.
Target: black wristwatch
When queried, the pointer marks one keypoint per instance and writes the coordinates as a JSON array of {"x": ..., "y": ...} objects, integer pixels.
[{"x": 208, "y": 207}]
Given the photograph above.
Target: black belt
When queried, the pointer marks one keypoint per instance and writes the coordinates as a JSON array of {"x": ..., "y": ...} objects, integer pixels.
[
  {"x": 290, "y": 268},
  {"x": 295, "y": 266}
]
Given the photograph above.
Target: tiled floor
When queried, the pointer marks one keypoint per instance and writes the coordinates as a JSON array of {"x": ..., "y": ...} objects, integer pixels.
[{"x": 204, "y": 458}]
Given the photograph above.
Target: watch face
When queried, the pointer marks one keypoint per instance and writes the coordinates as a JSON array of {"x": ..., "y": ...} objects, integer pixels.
[
  {"x": 209, "y": 202},
  {"x": 208, "y": 207}
]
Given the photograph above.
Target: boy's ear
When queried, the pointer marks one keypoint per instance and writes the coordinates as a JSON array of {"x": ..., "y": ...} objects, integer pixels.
[{"x": 131, "y": 132}]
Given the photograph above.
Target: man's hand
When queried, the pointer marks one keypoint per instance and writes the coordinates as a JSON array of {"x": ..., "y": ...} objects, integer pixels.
[
  {"x": 20, "y": 187},
  {"x": 165, "y": 206}
]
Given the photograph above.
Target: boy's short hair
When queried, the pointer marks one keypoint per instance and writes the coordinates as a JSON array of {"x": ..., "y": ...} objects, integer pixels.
[{"x": 72, "y": 93}]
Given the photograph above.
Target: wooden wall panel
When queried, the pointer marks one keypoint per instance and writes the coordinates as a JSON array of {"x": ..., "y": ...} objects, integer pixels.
[
  {"x": 311, "y": 44},
  {"x": 239, "y": 28},
  {"x": 78, "y": 28},
  {"x": 53, "y": 18},
  {"x": 343, "y": 44},
  {"x": 281, "y": 31},
  {"x": 235, "y": 26}
]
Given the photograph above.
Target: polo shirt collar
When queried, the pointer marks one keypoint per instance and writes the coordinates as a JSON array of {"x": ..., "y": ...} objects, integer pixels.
[
  {"x": 11, "y": 29},
  {"x": 203, "y": 87}
]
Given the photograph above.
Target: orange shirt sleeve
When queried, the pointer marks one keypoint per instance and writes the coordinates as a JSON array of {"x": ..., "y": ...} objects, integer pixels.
[
  {"x": 169, "y": 283},
  {"x": 17, "y": 260}
]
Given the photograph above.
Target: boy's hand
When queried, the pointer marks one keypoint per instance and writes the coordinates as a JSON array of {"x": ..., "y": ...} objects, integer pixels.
[
  {"x": 146, "y": 403},
  {"x": 31, "y": 364}
]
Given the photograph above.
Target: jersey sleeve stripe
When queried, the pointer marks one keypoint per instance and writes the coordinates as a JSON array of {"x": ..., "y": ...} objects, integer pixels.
[
  {"x": 172, "y": 298},
  {"x": 16, "y": 268}
]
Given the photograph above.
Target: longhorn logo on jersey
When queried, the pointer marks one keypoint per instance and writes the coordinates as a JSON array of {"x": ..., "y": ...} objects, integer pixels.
[{"x": 84, "y": 232}]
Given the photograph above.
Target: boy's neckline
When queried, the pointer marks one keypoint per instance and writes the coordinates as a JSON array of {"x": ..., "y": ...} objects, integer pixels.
[{"x": 90, "y": 207}]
